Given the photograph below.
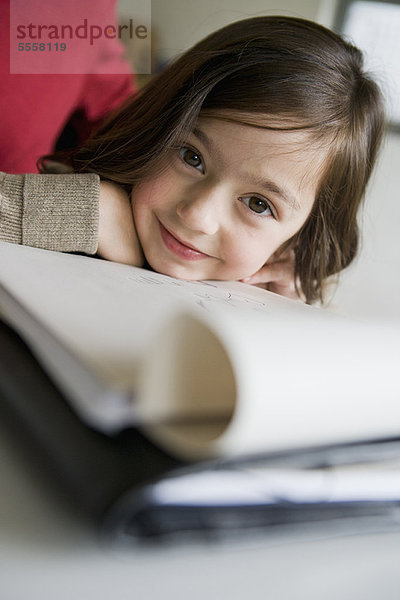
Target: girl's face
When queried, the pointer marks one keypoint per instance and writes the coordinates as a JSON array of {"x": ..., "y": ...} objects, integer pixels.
[{"x": 230, "y": 196}]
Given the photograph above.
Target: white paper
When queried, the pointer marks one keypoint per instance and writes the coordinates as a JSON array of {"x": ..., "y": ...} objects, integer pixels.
[{"x": 251, "y": 371}]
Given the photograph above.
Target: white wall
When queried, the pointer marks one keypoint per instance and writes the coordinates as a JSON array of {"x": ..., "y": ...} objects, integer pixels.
[
  {"x": 371, "y": 287},
  {"x": 181, "y": 23}
]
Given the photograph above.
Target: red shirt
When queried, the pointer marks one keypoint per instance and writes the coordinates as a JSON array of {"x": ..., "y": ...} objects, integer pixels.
[{"x": 35, "y": 108}]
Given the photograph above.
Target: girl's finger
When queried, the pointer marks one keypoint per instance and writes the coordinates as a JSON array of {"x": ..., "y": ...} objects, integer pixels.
[
  {"x": 277, "y": 277},
  {"x": 274, "y": 272}
]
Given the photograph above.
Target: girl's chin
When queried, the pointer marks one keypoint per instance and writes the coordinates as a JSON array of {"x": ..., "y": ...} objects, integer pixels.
[{"x": 188, "y": 272}]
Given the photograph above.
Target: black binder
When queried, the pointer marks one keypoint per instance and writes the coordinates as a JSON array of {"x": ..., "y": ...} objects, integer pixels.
[{"x": 113, "y": 480}]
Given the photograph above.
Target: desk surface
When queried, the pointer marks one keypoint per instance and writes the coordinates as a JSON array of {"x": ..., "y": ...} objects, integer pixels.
[{"x": 46, "y": 552}]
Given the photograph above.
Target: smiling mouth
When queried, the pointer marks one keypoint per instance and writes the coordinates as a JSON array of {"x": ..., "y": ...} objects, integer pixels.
[{"x": 180, "y": 248}]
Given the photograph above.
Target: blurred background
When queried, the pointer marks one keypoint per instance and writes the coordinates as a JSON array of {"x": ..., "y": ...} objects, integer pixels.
[{"x": 370, "y": 288}]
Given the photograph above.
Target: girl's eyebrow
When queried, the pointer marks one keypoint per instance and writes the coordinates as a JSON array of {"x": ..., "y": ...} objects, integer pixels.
[
  {"x": 204, "y": 139},
  {"x": 271, "y": 186},
  {"x": 257, "y": 180}
]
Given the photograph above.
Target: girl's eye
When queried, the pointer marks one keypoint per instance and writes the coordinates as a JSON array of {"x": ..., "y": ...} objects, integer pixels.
[
  {"x": 191, "y": 158},
  {"x": 257, "y": 205}
]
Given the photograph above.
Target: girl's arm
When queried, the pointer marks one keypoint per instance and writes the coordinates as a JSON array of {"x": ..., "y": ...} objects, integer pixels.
[
  {"x": 68, "y": 213},
  {"x": 54, "y": 212},
  {"x": 118, "y": 240}
]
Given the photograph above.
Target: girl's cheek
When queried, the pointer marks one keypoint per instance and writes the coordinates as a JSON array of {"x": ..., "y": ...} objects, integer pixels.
[
  {"x": 144, "y": 195},
  {"x": 250, "y": 255},
  {"x": 153, "y": 193},
  {"x": 244, "y": 257}
]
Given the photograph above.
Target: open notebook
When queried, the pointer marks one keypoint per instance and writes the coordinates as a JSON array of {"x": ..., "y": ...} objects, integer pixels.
[{"x": 205, "y": 371}]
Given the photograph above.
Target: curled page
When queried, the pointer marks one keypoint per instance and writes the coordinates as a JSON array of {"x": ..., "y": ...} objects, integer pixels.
[{"x": 228, "y": 386}]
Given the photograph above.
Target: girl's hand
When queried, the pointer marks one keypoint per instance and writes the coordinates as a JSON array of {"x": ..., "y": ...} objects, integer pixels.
[
  {"x": 277, "y": 275},
  {"x": 118, "y": 239}
]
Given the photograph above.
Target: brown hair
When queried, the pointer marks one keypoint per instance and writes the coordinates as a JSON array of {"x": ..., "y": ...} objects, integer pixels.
[{"x": 289, "y": 69}]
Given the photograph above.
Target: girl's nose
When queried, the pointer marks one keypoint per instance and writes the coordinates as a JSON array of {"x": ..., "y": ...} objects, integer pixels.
[{"x": 201, "y": 212}]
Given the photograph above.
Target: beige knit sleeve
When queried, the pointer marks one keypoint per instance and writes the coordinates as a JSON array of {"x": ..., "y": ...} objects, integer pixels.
[{"x": 55, "y": 212}]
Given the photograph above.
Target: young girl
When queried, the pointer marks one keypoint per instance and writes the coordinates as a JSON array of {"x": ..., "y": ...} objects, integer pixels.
[{"x": 245, "y": 159}]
